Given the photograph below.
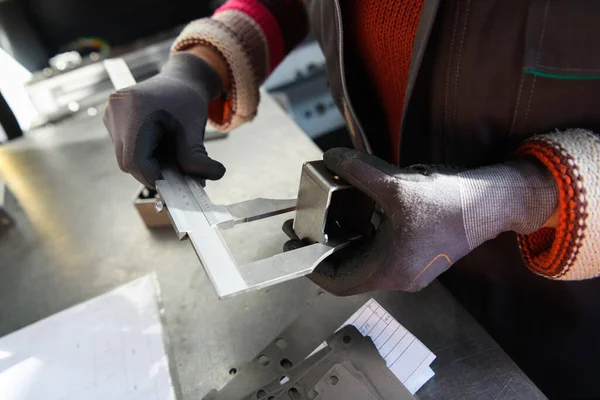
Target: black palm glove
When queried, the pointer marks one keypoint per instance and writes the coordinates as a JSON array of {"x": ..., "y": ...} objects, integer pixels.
[
  {"x": 165, "y": 116},
  {"x": 432, "y": 218}
]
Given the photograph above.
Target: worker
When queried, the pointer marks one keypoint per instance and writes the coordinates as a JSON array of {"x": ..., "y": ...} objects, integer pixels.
[{"x": 504, "y": 92}]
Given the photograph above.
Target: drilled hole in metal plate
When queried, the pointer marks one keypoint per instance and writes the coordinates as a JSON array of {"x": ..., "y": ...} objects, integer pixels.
[
  {"x": 233, "y": 371},
  {"x": 294, "y": 394},
  {"x": 346, "y": 339},
  {"x": 321, "y": 108},
  {"x": 284, "y": 379},
  {"x": 282, "y": 344},
  {"x": 263, "y": 360},
  {"x": 333, "y": 380},
  {"x": 260, "y": 394},
  {"x": 285, "y": 363}
]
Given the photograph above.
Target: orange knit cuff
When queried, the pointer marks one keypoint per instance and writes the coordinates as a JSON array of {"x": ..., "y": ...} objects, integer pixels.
[
  {"x": 552, "y": 252},
  {"x": 220, "y": 111}
]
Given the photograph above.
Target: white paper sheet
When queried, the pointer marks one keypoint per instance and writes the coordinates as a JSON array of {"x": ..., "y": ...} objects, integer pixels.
[
  {"x": 405, "y": 355},
  {"x": 107, "y": 348}
]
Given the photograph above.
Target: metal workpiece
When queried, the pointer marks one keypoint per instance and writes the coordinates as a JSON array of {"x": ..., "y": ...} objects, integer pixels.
[
  {"x": 61, "y": 94},
  {"x": 343, "y": 381},
  {"x": 195, "y": 217},
  {"x": 349, "y": 367},
  {"x": 330, "y": 209}
]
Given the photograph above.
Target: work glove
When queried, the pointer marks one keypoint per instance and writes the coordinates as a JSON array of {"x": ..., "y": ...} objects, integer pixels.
[
  {"x": 164, "y": 117},
  {"x": 432, "y": 217}
]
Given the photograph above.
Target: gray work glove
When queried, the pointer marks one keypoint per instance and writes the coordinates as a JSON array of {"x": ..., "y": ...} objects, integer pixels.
[
  {"x": 432, "y": 218},
  {"x": 165, "y": 117}
]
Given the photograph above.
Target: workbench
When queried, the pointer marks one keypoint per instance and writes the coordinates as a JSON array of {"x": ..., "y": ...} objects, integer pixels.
[{"x": 78, "y": 236}]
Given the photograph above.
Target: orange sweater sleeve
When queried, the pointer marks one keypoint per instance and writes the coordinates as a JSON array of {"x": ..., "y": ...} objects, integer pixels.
[{"x": 570, "y": 251}]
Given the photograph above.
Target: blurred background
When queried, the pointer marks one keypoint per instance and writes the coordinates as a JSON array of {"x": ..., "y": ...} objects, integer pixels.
[{"x": 51, "y": 68}]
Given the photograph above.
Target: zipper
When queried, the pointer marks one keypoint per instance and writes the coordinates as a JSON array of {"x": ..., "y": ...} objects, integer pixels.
[{"x": 338, "y": 14}]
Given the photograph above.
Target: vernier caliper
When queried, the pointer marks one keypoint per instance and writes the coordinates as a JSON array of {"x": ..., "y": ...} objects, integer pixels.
[{"x": 328, "y": 212}]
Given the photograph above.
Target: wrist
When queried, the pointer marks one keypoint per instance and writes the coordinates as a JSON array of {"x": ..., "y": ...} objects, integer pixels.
[
  {"x": 536, "y": 197},
  {"x": 518, "y": 196},
  {"x": 195, "y": 73},
  {"x": 213, "y": 58}
]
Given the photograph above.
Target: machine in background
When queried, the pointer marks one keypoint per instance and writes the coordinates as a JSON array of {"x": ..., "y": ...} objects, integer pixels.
[{"x": 64, "y": 43}]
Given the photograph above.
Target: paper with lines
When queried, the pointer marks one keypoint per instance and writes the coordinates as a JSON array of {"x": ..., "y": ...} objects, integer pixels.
[
  {"x": 405, "y": 355},
  {"x": 107, "y": 348}
]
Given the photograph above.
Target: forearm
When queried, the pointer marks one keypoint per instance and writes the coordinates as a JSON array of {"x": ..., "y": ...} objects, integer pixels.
[{"x": 244, "y": 41}]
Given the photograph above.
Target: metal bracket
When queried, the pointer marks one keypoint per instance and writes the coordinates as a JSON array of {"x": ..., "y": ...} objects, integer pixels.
[
  {"x": 329, "y": 208},
  {"x": 349, "y": 367}
]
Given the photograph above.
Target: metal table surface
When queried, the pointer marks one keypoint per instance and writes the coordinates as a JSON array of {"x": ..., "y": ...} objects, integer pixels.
[{"x": 79, "y": 235}]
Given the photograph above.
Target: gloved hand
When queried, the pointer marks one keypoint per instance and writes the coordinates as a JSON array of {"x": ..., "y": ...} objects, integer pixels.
[
  {"x": 165, "y": 116},
  {"x": 432, "y": 218}
]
